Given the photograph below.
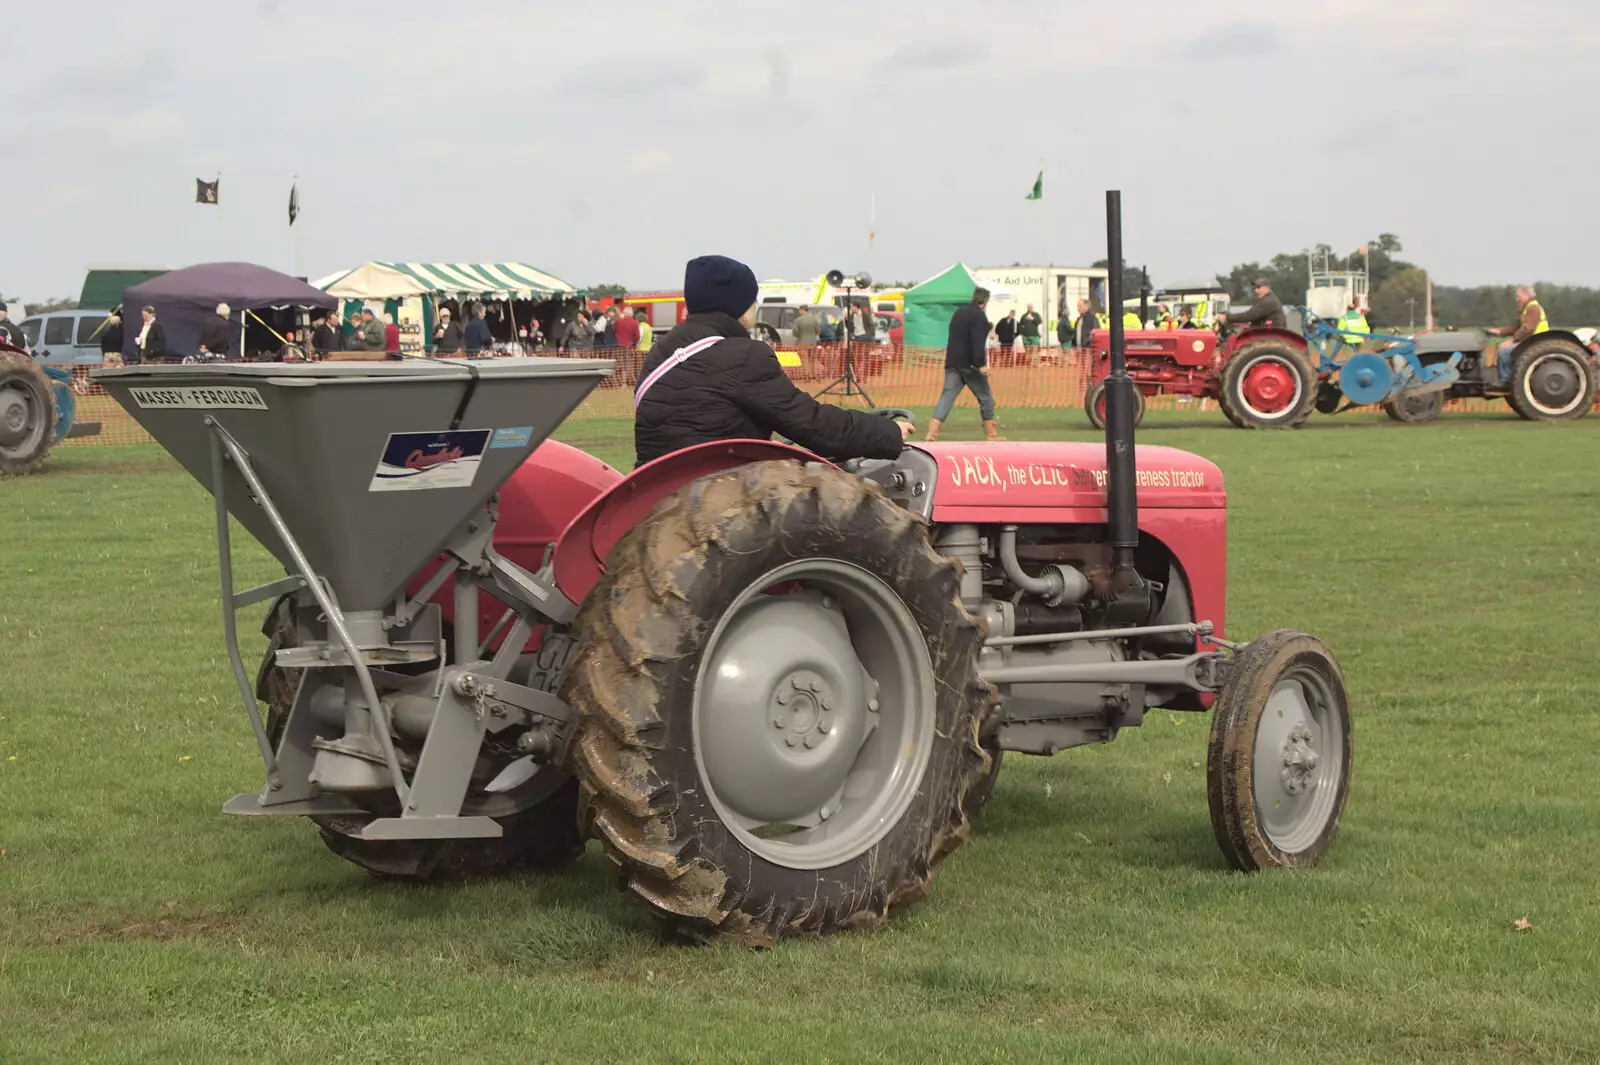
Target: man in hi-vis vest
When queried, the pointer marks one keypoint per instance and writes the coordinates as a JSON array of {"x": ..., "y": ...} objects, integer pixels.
[{"x": 1531, "y": 321}]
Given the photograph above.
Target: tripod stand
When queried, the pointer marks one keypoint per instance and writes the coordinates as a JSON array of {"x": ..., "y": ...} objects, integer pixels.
[{"x": 848, "y": 384}]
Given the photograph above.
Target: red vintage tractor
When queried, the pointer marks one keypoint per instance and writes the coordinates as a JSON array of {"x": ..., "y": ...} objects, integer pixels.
[
  {"x": 1262, "y": 378},
  {"x": 775, "y": 689}
]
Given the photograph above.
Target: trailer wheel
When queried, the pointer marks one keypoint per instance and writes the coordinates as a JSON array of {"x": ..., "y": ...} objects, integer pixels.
[
  {"x": 1552, "y": 381},
  {"x": 1278, "y": 765},
  {"x": 1270, "y": 385},
  {"x": 779, "y": 706},
  {"x": 545, "y": 836},
  {"x": 1415, "y": 408},
  {"x": 28, "y": 414},
  {"x": 1094, "y": 405}
]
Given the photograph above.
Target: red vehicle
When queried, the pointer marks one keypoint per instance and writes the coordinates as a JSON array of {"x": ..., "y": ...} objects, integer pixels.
[
  {"x": 1262, "y": 378},
  {"x": 894, "y": 323},
  {"x": 666, "y": 309}
]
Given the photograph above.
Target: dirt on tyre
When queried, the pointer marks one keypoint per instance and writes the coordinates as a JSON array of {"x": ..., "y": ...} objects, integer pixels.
[
  {"x": 1094, "y": 405},
  {"x": 779, "y": 706},
  {"x": 27, "y": 414},
  {"x": 1278, "y": 765},
  {"x": 1552, "y": 381},
  {"x": 546, "y": 836},
  {"x": 1415, "y": 409},
  {"x": 1268, "y": 384}
]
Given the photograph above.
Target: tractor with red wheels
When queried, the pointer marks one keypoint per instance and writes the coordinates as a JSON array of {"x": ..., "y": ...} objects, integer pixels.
[
  {"x": 1262, "y": 377},
  {"x": 776, "y": 690}
]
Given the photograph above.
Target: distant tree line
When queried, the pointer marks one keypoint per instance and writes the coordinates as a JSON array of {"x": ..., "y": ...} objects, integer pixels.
[{"x": 1399, "y": 291}]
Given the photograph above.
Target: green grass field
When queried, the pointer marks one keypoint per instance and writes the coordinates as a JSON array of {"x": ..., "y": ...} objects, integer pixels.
[{"x": 1451, "y": 567}]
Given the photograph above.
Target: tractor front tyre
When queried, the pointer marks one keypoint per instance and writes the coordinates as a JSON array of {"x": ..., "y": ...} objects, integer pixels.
[
  {"x": 1552, "y": 381},
  {"x": 1094, "y": 405},
  {"x": 1278, "y": 765},
  {"x": 28, "y": 414},
  {"x": 1415, "y": 408},
  {"x": 546, "y": 836},
  {"x": 1269, "y": 384},
  {"x": 778, "y": 706}
]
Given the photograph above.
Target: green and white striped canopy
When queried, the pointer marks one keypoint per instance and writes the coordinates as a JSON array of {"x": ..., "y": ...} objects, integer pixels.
[{"x": 377, "y": 281}]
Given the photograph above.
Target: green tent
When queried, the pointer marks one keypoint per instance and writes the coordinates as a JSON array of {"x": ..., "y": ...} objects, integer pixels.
[{"x": 930, "y": 305}]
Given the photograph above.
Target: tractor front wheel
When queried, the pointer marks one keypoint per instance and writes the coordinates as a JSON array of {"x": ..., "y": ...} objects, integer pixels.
[
  {"x": 1269, "y": 384},
  {"x": 544, "y": 836},
  {"x": 1094, "y": 405},
  {"x": 1552, "y": 380},
  {"x": 779, "y": 706},
  {"x": 27, "y": 414},
  {"x": 1278, "y": 765},
  {"x": 1415, "y": 408}
]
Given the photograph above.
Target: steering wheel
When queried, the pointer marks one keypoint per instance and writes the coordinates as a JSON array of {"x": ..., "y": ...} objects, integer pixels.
[{"x": 897, "y": 414}]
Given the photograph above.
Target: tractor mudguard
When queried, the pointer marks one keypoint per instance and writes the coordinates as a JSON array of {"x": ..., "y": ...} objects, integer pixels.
[
  {"x": 580, "y": 554},
  {"x": 1262, "y": 332}
]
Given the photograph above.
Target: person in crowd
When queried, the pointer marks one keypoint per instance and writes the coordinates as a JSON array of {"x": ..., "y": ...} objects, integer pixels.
[
  {"x": 707, "y": 380},
  {"x": 391, "y": 337},
  {"x": 1164, "y": 318},
  {"x": 478, "y": 339},
  {"x": 111, "y": 339},
  {"x": 216, "y": 334},
  {"x": 370, "y": 331},
  {"x": 1186, "y": 317},
  {"x": 1064, "y": 329},
  {"x": 1266, "y": 310},
  {"x": 1005, "y": 331},
  {"x": 1087, "y": 324},
  {"x": 152, "y": 342},
  {"x": 324, "y": 334},
  {"x": 606, "y": 337},
  {"x": 10, "y": 332},
  {"x": 578, "y": 334},
  {"x": 625, "y": 327},
  {"x": 807, "y": 332},
  {"x": 446, "y": 335},
  {"x": 966, "y": 365},
  {"x": 647, "y": 332},
  {"x": 1531, "y": 320},
  {"x": 1028, "y": 327}
]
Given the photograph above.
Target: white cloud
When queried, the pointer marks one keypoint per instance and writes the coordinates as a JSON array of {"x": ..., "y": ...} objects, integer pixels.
[{"x": 147, "y": 127}]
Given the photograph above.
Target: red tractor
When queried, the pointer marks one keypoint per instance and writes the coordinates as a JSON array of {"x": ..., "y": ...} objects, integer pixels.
[
  {"x": 776, "y": 690},
  {"x": 1262, "y": 378}
]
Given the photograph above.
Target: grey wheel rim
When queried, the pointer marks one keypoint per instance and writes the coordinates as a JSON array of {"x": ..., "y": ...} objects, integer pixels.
[
  {"x": 1299, "y": 760},
  {"x": 1554, "y": 384},
  {"x": 22, "y": 420},
  {"x": 814, "y": 714}
]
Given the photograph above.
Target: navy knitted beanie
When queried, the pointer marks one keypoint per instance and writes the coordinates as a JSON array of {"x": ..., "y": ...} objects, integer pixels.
[{"x": 718, "y": 283}]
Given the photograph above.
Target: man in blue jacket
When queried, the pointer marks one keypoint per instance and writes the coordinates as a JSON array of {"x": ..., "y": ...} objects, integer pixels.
[
  {"x": 478, "y": 339},
  {"x": 966, "y": 365}
]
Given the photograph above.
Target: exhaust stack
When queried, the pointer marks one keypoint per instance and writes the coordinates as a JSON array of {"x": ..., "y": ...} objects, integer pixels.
[{"x": 1122, "y": 505}]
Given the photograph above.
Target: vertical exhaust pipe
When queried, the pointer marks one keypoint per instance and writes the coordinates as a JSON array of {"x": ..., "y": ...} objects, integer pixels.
[{"x": 1122, "y": 505}]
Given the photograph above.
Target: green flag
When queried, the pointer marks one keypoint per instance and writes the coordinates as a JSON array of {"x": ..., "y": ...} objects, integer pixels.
[{"x": 1038, "y": 188}]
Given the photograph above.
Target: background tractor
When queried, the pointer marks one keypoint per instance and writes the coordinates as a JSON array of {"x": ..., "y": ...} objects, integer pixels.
[
  {"x": 37, "y": 408},
  {"x": 777, "y": 690}
]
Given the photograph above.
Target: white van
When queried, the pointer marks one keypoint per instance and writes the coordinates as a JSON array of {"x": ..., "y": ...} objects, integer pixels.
[{"x": 65, "y": 338}]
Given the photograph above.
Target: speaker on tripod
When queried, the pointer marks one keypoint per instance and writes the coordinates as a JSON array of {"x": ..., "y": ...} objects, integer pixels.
[{"x": 848, "y": 384}]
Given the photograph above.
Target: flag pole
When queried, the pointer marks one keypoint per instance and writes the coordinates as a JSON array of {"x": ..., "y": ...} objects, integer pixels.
[{"x": 217, "y": 203}]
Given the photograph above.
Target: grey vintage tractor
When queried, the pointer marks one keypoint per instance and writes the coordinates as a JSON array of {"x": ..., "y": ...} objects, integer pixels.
[{"x": 776, "y": 690}]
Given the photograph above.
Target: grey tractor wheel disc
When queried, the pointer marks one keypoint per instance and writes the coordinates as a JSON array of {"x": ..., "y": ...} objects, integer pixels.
[
  {"x": 814, "y": 714},
  {"x": 1299, "y": 761}
]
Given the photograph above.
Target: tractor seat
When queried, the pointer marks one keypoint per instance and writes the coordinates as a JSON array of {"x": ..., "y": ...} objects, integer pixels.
[{"x": 1468, "y": 340}]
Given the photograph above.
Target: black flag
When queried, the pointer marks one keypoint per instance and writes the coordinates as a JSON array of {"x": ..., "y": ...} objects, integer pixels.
[
  {"x": 207, "y": 191},
  {"x": 294, "y": 202}
]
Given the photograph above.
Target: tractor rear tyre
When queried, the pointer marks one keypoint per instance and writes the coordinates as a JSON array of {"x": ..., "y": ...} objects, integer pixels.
[
  {"x": 27, "y": 414},
  {"x": 1094, "y": 405},
  {"x": 1415, "y": 408},
  {"x": 1269, "y": 384},
  {"x": 1552, "y": 381},
  {"x": 546, "y": 836},
  {"x": 778, "y": 706},
  {"x": 1278, "y": 765}
]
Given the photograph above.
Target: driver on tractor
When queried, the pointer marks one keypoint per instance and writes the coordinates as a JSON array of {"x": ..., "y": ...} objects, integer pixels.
[
  {"x": 1530, "y": 320},
  {"x": 708, "y": 380},
  {"x": 1266, "y": 310}
]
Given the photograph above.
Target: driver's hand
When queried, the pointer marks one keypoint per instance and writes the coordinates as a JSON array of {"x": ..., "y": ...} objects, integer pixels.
[
  {"x": 906, "y": 429},
  {"x": 984, "y": 369}
]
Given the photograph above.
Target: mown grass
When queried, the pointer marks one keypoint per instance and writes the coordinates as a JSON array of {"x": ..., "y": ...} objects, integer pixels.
[{"x": 1451, "y": 567}]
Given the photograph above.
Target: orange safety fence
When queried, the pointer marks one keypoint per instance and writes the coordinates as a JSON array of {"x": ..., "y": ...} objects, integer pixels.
[{"x": 1045, "y": 378}]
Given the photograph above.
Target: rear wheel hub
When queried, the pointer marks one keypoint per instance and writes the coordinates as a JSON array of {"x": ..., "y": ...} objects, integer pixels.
[
  {"x": 1554, "y": 383},
  {"x": 1270, "y": 387},
  {"x": 16, "y": 412}
]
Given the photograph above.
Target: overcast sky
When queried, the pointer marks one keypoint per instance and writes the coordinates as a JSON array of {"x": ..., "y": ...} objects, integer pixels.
[{"x": 611, "y": 142}]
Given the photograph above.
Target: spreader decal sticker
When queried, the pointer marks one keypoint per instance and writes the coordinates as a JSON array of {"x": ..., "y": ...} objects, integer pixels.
[
  {"x": 190, "y": 398},
  {"x": 444, "y": 459},
  {"x": 514, "y": 437}
]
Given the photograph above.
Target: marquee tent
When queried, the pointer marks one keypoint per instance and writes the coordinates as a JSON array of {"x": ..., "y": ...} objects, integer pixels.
[
  {"x": 930, "y": 304},
  {"x": 393, "y": 280},
  {"x": 184, "y": 299}
]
